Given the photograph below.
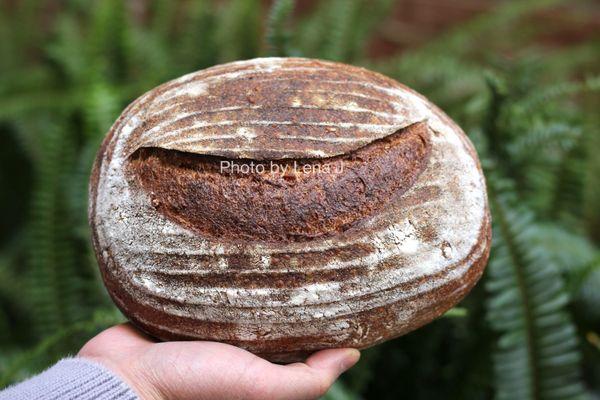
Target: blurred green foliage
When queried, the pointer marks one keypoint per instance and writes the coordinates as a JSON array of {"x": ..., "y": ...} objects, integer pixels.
[{"x": 529, "y": 331}]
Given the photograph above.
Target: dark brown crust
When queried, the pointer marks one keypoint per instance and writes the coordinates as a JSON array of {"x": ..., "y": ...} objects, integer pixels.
[
  {"x": 284, "y": 200},
  {"x": 292, "y": 349},
  {"x": 298, "y": 98}
]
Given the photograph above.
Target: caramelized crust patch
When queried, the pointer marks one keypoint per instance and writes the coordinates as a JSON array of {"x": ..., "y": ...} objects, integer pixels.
[{"x": 280, "y": 200}]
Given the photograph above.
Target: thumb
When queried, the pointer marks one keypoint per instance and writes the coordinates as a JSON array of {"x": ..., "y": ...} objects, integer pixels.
[
  {"x": 312, "y": 379},
  {"x": 333, "y": 361}
]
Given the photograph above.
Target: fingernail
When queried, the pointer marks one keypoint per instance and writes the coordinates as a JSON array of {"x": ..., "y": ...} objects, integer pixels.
[{"x": 352, "y": 356}]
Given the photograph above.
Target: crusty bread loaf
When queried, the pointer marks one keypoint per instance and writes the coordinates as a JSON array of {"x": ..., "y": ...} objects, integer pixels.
[{"x": 287, "y": 205}]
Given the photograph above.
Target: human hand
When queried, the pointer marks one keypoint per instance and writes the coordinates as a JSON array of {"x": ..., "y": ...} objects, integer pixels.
[{"x": 210, "y": 370}]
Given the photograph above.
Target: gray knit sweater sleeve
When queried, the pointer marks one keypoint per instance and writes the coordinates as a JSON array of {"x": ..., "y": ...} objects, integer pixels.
[{"x": 71, "y": 378}]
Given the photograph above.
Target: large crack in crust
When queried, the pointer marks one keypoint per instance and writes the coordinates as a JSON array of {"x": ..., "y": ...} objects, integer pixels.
[{"x": 280, "y": 200}]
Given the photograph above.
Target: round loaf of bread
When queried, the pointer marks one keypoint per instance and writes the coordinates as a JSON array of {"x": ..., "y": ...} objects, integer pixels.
[{"x": 287, "y": 205}]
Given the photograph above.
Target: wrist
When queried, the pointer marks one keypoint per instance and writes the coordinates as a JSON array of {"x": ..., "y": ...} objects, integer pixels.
[{"x": 135, "y": 378}]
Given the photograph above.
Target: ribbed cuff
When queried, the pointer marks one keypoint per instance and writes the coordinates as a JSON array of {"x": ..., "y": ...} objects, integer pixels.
[{"x": 71, "y": 378}]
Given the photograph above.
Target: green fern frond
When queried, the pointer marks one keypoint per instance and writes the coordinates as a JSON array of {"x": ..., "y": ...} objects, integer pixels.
[
  {"x": 466, "y": 37},
  {"x": 548, "y": 157},
  {"x": 571, "y": 252},
  {"x": 43, "y": 275},
  {"x": 19, "y": 104},
  {"x": 572, "y": 60},
  {"x": 108, "y": 40},
  {"x": 338, "y": 29},
  {"x": 55, "y": 290},
  {"x": 552, "y": 92},
  {"x": 590, "y": 170},
  {"x": 567, "y": 192},
  {"x": 456, "y": 83},
  {"x": 151, "y": 52},
  {"x": 68, "y": 50},
  {"x": 100, "y": 109},
  {"x": 311, "y": 30},
  {"x": 239, "y": 30},
  {"x": 537, "y": 353},
  {"x": 198, "y": 47},
  {"x": 368, "y": 19},
  {"x": 578, "y": 260},
  {"x": 492, "y": 120},
  {"x": 544, "y": 136},
  {"x": 277, "y": 33},
  {"x": 341, "y": 24},
  {"x": 41, "y": 354},
  {"x": 587, "y": 295},
  {"x": 13, "y": 307},
  {"x": 150, "y": 44}
]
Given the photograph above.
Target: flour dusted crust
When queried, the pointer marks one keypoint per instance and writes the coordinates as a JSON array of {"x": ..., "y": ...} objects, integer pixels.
[{"x": 396, "y": 260}]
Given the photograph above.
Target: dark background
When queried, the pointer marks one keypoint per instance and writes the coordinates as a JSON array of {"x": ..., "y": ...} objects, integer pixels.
[{"x": 521, "y": 78}]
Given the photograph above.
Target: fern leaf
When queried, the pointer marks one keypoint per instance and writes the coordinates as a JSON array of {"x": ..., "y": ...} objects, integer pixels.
[
  {"x": 41, "y": 354},
  {"x": 369, "y": 16},
  {"x": 198, "y": 48},
  {"x": 68, "y": 50},
  {"x": 570, "y": 252},
  {"x": 108, "y": 40},
  {"x": 55, "y": 290},
  {"x": 537, "y": 355},
  {"x": 311, "y": 30},
  {"x": 467, "y": 36},
  {"x": 277, "y": 36},
  {"x": 238, "y": 30},
  {"x": 591, "y": 169},
  {"x": 338, "y": 41},
  {"x": 543, "y": 136},
  {"x": 552, "y": 92},
  {"x": 588, "y": 292}
]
